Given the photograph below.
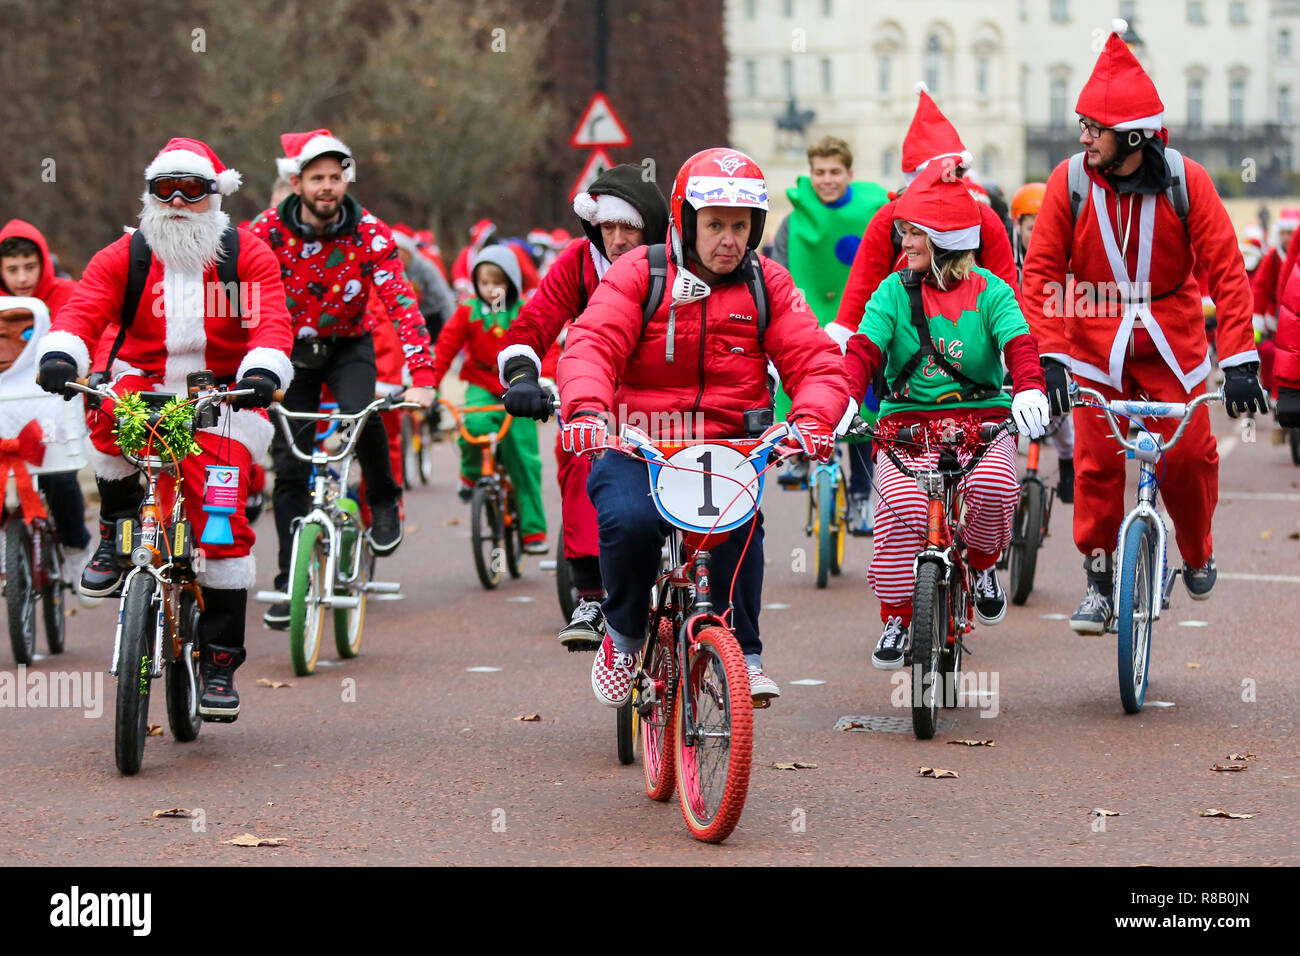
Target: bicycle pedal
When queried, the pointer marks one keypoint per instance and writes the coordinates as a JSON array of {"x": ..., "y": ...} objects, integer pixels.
[{"x": 214, "y": 719}]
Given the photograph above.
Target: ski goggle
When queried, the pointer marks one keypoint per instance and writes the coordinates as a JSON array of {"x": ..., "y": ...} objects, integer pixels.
[{"x": 189, "y": 188}]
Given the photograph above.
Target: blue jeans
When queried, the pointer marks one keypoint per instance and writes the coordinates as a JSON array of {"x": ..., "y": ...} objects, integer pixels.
[{"x": 631, "y": 539}]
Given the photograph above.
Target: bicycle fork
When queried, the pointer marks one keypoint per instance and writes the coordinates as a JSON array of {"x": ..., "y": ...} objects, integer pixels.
[{"x": 1146, "y": 509}]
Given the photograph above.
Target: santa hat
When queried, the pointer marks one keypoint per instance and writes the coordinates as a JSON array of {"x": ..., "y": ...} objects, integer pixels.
[
  {"x": 939, "y": 203},
  {"x": 193, "y": 157},
  {"x": 606, "y": 207},
  {"x": 404, "y": 237},
  {"x": 1119, "y": 94},
  {"x": 1253, "y": 234},
  {"x": 930, "y": 136},
  {"x": 1288, "y": 218},
  {"x": 301, "y": 148}
]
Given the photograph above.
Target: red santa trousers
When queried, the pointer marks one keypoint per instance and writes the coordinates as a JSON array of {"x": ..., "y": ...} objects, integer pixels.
[
  {"x": 991, "y": 491},
  {"x": 1189, "y": 475},
  {"x": 578, "y": 514}
]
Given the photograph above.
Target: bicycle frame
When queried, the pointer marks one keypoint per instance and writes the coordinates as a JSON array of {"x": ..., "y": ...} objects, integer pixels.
[
  {"x": 1147, "y": 448},
  {"x": 487, "y": 442}
]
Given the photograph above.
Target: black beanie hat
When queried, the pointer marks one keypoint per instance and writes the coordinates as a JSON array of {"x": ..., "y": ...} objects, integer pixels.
[{"x": 627, "y": 182}]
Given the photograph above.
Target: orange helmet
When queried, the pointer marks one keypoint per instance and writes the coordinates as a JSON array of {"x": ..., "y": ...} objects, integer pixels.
[{"x": 1027, "y": 200}]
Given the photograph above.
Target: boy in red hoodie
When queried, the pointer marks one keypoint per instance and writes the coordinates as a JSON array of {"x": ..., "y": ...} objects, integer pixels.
[{"x": 27, "y": 269}]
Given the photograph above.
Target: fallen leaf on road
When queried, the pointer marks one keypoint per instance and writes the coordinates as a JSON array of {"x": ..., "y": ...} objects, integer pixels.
[
  {"x": 794, "y": 765},
  {"x": 854, "y": 725},
  {"x": 1294, "y": 536},
  {"x": 1194, "y": 664},
  {"x": 174, "y": 812},
  {"x": 1224, "y": 813},
  {"x": 1241, "y": 756},
  {"x": 273, "y": 683},
  {"x": 412, "y": 528},
  {"x": 936, "y": 772},
  {"x": 973, "y": 743},
  {"x": 529, "y": 717},
  {"x": 450, "y": 521},
  {"x": 1266, "y": 533},
  {"x": 1099, "y": 812},
  {"x": 153, "y": 730},
  {"x": 252, "y": 839},
  {"x": 1230, "y": 767}
]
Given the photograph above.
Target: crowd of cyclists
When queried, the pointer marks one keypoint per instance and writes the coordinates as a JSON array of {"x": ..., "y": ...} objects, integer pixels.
[{"x": 935, "y": 303}]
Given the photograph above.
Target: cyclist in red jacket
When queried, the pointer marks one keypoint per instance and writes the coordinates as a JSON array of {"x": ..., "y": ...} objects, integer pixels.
[{"x": 699, "y": 359}]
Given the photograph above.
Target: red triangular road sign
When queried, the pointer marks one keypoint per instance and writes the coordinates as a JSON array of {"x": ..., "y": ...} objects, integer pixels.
[
  {"x": 599, "y": 126},
  {"x": 597, "y": 163}
]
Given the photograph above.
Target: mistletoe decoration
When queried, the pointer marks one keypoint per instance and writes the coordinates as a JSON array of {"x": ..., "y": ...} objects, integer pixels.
[{"x": 133, "y": 431}]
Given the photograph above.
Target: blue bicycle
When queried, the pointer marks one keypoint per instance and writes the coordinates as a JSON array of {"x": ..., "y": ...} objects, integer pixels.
[{"x": 1143, "y": 561}]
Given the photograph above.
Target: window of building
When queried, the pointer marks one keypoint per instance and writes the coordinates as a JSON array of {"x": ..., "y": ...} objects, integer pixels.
[
  {"x": 1284, "y": 104},
  {"x": 1195, "y": 11},
  {"x": 1128, "y": 9},
  {"x": 1195, "y": 102},
  {"x": 889, "y": 164},
  {"x": 787, "y": 8},
  {"x": 988, "y": 164},
  {"x": 826, "y": 75},
  {"x": 751, "y": 9},
  {"x": 751, "y": 78},
  {"x": 884, "y": 73},
  {"x": 1060, "y": 11},
  {"x": 1237, "y": 101},
  {"x": 1237, "y": 11},
  {"x": 1284, "y": 44},
  {"x": 787, "y": 78},
  {"x": 982, "y": 68},
  {"x": 1058, "y": 103},
  {"x": 826, "y": 8},
  {"x": 933, "y": 63}
]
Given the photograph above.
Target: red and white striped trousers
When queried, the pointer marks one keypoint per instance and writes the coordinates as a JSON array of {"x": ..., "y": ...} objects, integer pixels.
[{"x": 991, "y": 491}]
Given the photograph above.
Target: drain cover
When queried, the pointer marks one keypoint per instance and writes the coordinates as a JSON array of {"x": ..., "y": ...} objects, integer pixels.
[{"x": 875, "y": 723}]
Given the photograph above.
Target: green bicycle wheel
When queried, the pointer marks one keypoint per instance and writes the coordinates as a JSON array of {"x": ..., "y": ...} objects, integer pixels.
[{"x": 307, "y": 586}]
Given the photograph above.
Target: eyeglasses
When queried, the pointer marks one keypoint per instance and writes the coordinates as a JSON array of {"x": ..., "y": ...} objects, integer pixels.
[
  {"x": 1092, "y": 129},
  {"x": 189, "y": 188}
]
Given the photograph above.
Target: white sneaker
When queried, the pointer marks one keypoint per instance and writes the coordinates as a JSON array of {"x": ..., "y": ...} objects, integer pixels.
[
  {"x": 761, "y": 687},
  {"x": 892, "y": 646},
  {"x": 990, "y": 599}
]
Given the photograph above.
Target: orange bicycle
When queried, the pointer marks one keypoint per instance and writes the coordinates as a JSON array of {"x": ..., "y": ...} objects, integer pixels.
[{"x": 495, "y": 530}]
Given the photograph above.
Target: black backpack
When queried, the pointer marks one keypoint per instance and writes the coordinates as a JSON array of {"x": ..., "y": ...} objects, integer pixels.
[
  {"x": 657, "y": 256},
  {"x": 141, "y": 259}
]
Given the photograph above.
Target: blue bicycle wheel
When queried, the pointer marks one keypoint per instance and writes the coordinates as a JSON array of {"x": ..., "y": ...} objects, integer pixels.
[{"x": 1136, "y": 584}]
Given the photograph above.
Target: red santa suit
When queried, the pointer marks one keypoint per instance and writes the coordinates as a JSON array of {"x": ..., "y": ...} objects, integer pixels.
[
  {"x": 183, "y": 324},
  {"x": 1150, "y": 345}
]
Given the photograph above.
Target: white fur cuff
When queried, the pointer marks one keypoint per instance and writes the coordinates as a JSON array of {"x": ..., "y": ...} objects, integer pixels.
[
  {"x": 229, "y": 574},
  {"x": 273, "y": 360},
  {"x": 509, "y": 352},
  {"x": 1241, "y": 358},
  {"x": 69, "y": 344},
  {"x": 840, "y": 334},
  {"x": 108, "y": 467}
]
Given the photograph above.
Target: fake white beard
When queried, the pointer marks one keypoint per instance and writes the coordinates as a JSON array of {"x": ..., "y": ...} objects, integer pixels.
[{"x": 187, "y": 244}]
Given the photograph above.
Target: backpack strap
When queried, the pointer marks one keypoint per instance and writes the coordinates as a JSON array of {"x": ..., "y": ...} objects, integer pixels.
[
  {"x": 228, "y": 268},
  {"x": 1077, "y": 182},
  {"x": 657, "y": 256},
  {"x": 970, "y": 390},
  {"x": 582, "y": 284},
  {"x": 758, "y": 289},
  {"x": 1177, "y": 191}
]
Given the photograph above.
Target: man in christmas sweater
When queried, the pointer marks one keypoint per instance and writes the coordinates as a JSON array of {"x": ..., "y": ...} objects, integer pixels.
[
  {"x": 182, "y": 324},
  {"x": 620, "y": 211},
  {"x": 818, "y": 242},
  {"x": 331, "y": 253},
  {"x": 480, "y": 326},
  {"x": 1150, "y": 343}
]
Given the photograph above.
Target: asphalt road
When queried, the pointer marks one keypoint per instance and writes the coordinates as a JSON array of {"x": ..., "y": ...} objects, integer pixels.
[{"x": 410, "y": 755}]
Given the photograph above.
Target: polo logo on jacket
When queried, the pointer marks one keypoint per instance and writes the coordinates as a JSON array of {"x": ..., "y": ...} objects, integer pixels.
[{"x": 741, "y": 317}]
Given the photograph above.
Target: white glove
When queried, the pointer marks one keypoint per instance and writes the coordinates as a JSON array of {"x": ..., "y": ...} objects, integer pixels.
[{"x": 1031, "y": 412}]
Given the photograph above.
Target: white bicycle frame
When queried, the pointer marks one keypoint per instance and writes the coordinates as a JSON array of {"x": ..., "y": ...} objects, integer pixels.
[{"x": 1147, "y": 448}]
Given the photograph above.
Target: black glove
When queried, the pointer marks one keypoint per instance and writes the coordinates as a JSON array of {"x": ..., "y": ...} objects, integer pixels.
[
  {"x": 1058, "y": 386},
  {"x": 1288, "y": 407},
  {"x": 263, "y": 384},
  {"x": 1242, "y": 391},
  {"x": 525, "y": 398},
  {"x": 56, "y": 371}
]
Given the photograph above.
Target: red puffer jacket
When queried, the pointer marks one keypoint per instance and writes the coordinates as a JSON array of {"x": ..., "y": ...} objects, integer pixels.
[
  {"x": 719, "y": 369},
  {"x": 1286, "y": 366}
]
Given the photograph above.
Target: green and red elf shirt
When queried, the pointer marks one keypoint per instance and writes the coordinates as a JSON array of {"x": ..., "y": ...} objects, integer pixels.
[
  {"x": 973, "y": 324},
  {"x": 327, "y": 281},
  {"x": 475, "y": 327}
]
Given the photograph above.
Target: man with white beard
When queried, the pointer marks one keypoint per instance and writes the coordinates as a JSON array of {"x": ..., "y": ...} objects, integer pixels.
[{"x": 185, "y": 320}]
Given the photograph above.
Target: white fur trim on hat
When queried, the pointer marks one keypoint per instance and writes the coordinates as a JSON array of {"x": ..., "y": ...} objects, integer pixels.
[
  {"x": 606, "y": 207},
  {"x": 316, "y": 146},
  {"x": 964, "y": 239},
  {"x": 273, "y": 360},
  {"x": 509, "y": 352},
  {"x": 229, "y": 574},
  {"x": 190, "y": 163},
  {"x": 69, "y": 344},
  {"x": 921, "y": 87},
  {"x": 1150, "y": 123},
  {"x": 1119, "y": 25}
]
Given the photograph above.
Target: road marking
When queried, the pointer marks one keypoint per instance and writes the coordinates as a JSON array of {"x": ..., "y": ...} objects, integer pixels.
[
  {"x": 775, "y": 607},
  {"x": 520, "y": 599},
  {"x": 1226, "y": 445},
  {"x": 1054, "y": 617},
  {"x": 546, "y": 565},
  {"x": 1193, "y": 623},
  {"x": 482, "y": 670},
  {"x": 808, "y": 682},
  {"x": 1258, "y": 496},
  {"x": 1160, "y": 703},
  {"x": 1276, "y": 578}
]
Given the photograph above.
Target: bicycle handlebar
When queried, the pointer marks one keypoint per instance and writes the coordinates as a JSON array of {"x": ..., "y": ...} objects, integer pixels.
[
  {"x": 1137, "y": 408},
  {"x": 285, "y": 416}
]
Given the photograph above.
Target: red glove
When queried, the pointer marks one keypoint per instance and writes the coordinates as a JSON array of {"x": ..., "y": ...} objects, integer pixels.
[
  {"x": 815, "y": 438},
  {"x": 586, "y": 433}
]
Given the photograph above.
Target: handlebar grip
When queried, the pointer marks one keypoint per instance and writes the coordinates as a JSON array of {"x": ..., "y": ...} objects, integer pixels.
[
  {"x": 278, "y": 395},
  {"x": 990, "y": 432}
]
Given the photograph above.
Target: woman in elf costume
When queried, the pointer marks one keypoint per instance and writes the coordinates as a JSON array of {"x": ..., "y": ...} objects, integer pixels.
[
  {"x": 973, "y": 321},
  {"x": 480, "y": 326}
]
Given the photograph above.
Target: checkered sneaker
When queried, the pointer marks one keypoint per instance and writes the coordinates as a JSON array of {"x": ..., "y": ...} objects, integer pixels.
[{"x": 612, "y": 674}]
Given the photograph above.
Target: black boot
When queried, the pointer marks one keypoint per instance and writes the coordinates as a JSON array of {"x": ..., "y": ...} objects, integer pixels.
[
  {"x": 1065, "y": 483},
  {"x": 222, "y": 621},
  {"x": 117, "y": 499}
]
